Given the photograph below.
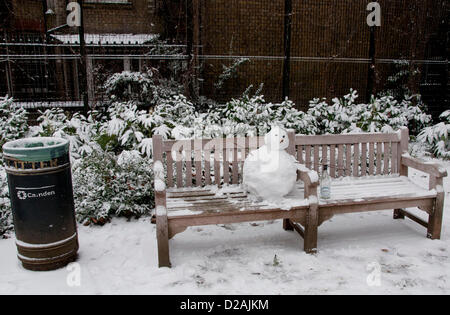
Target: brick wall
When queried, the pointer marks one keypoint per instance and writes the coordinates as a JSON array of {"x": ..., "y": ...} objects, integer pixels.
[
  {"x": 27, "y": 15},
  {"x": 135, "y": 16}
]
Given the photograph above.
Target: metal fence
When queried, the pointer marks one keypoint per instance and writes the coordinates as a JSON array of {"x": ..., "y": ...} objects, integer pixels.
[
  {"x": 46, "y": 72},
  {"x": 301, "y": 49}
]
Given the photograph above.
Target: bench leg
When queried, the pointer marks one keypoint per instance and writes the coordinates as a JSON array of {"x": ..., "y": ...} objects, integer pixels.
[
  {"x": 287, "y": 226},
  {"x": 435, "y": 219},
  {"x": 398, "y": 214},
  {"x": 311, "y": 229},
  {"x": 162, "y": 236}
]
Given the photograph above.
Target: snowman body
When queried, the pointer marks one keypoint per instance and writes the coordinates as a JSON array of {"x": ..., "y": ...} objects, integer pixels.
[{"x": 270, "y": 172}]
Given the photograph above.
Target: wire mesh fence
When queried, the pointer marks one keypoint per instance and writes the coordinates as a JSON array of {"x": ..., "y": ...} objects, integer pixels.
[{"x": 329, "y": 52}]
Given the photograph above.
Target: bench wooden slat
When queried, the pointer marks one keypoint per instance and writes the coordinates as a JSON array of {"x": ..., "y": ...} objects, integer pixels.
[
  {"x": 332, "y": 161},
  {"x": 198, "y": 167},
  {"x": 217, "y": 174},
  {"x": 196, "y": 199},
  {"x": 169, "y": 163},
  {"x": 356, "y": 160},
  {"x": 371, "y": 158},
  {"x": 188, "y": 162},
  {"x": 207, "y": 155},
  {"x": 348, "y": 160},
  {"x": 308, "y": 156},
  {"x": 300, "y": 154},
  {"x": 394, "y": 160},
  {"x": 363, "y": 159},
  {"x": 316, "y": 149},
  {"x": 225, "y": 163},
  {"x": 324, "y": 156},
  {"x": 386, "y": 152},
  {"x": 235, "y": 166},
  {"x": 379, "y": 154},
  {"x": 340, "y": 161},
  {"x": 179, "y": 167},
  {"x": 346, "y": 138}
]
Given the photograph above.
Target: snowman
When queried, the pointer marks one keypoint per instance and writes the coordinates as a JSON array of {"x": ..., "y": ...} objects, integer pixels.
[{"x": 270, "y": 172}]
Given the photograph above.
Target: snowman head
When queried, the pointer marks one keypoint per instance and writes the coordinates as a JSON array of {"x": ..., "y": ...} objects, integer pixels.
[{"x": 277, "y": 139}]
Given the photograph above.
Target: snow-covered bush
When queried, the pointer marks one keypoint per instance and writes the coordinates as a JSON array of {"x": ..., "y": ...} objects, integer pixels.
[
  {"x": 107, "y": 185},
  {"x": 335, "y": 118},
  {"x": 175, "y": 111},
  {"x": 397, "y": 83},
  {"x": 130, "y": 86},
  {"x": 437, "y": 137},
  {"x": 229, "y": 72},
  {"x": 13, "y": 122},
  {"x": 81, "y": 132},
  {"x": 143, "y": 88},
  {"x": 126, "y": 127},
  {"x": 129, "y": 128},
  {"x": 382, "y": 114},
  {"x": 250, "y": 115},
  {"x": 6, "y": 222}
]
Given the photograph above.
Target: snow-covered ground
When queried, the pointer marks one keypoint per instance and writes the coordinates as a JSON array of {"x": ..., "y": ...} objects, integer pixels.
[{"x": 240, "y": 259}]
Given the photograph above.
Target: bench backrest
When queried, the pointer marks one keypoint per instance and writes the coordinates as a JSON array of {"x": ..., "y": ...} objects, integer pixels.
[{"x": 220, "y": 161}]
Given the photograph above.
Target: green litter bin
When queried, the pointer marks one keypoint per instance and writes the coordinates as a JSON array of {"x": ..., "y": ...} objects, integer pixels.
[{"x": 40, "y": 188}]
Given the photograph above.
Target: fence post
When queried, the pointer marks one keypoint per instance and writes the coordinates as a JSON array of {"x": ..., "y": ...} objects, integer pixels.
[
  {"x": 370, "y": 90},
  {"x": 9, "y": 78},
  {"x": 83, "y": 61},
  {"x": 188, "y": 78},
  {"x": 287, "y": 47}
]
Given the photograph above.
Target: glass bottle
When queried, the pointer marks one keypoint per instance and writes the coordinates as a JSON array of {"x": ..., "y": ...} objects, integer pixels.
[{"x": 325, "y": 184}]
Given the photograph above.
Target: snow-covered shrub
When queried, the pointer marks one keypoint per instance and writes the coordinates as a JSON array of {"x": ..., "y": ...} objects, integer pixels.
[
  {"x": 229, "y": 72},
  {"x": 143, "y": 88},
  {"x": 126, "y": 127},
  {"x": 397, "y": 83},
  {"x": 386, "y": 114},
  {"x": 335, "y": 118},
  {"x": 250, "y": 115},
  {"x": 13, "y": 121},
  {"x": 106, "y": 185},
  {"x": 6, "y": 222},
  {"x": 129, "y": 128},
  {"x": 81, "y": 132},
  {"x": 130, "y": 86},
  {"x": 437, "y": 137},
  {"x": 175, "y": 111},
  {"x": 382, "y": 114}
]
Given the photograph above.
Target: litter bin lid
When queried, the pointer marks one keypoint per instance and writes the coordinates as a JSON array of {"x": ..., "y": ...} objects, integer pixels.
[{"x": 36, "y": 149}]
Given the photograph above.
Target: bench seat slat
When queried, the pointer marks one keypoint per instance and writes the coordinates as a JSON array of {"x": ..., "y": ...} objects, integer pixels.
[{"x": 345, "y": 192}]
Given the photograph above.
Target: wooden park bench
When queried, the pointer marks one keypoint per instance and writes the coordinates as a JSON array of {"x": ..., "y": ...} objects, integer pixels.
[{"x": 199, "y": 182}]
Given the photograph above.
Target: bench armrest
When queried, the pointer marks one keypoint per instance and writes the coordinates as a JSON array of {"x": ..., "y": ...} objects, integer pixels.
[
  {"x": 158, "y": 173},
  {"x": 430, "y": 168},
  {"x": 311, "y": 180},
  {"x": 160, "y": 185}
]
